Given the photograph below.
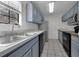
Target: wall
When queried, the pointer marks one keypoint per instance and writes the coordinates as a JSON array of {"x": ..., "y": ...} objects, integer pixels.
[
  {"x": 27, "y": 26},
  {"x": 55, "y": 23},
  {"x": 44, "y": 26}
]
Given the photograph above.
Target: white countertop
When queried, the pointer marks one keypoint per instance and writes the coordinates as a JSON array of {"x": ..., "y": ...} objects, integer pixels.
[{"x": 9, "y": 47}]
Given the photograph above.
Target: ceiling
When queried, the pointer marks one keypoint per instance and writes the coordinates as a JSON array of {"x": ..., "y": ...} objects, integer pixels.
[{"x": 60, "y": 7}]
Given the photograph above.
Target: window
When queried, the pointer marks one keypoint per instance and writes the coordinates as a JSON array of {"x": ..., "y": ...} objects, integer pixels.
[{"x": 8, "y": 16}]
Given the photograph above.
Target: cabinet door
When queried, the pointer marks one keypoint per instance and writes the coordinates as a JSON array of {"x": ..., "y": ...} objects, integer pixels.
[
  {"x": 28, "y": 54},
  {"x": 75, "y": 39},
  {"x": 60, "y": 37},
  {"x": 21, "y": 51},
  {"x": 64, "y": 18},
  {"x": 70, "y": 13},
  {"x": 67, "y": 15},
  {"x": 78, "y": 5},
  {"x": 29, "y": 12},
  {"x": 35, "y": 49},
  {"x": 76, "y": 8},
  {"x": 74, "y": 46},
  {"x": 40, "y": 18},
  {"x": 37, "y": 19},
  {"x": 74, "y": 50},
  {"x": 34, "y": 14},
  {"x": 18, "y": 53}
]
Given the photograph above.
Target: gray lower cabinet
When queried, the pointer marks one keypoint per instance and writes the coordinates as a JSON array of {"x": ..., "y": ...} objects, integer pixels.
[
  {"x": 60, "y": 36},
  {"x": 29, "y": 49},
  {"x": 74, "y": 50},
  {"x": 28, "y": 53},
  {"x": 74, "y": 46},
  {"x": 35, "y": 50}
]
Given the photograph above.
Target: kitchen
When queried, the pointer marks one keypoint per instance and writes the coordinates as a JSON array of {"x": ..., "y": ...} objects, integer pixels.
[{"x": 39, "y": 29}]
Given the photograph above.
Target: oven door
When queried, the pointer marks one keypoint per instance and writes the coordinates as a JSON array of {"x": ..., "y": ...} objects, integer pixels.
[{"x": 67, "y": 43}]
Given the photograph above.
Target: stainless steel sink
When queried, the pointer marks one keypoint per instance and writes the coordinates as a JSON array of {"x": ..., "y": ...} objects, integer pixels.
[
  {"x": 12, "y": 39},
  {"x": 29, "y": 34}
]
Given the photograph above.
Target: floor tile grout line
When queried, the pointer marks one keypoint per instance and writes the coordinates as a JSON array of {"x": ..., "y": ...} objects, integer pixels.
[{"x": 54, "y": 43}]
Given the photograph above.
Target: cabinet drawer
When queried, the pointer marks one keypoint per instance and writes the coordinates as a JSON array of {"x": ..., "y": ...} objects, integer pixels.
[{"x": 21, "y": 51}]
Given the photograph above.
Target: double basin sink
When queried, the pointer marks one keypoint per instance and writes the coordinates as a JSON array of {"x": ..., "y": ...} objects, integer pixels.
[{"x": 15, "y": 38}]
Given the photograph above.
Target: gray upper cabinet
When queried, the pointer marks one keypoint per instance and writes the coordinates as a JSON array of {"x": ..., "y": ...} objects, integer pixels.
[
  {"x": 33, "y": 15},
  {"x": 29, "y": 12},
  {"x": 68, "y": 15},
  {"x": 71, "y": 12},
  {"x": 63, "y": 18},
  {"x": 75, "y": 8}
]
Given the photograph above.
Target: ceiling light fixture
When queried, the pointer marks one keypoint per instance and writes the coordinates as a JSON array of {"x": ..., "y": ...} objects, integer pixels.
[{"x": 51, "y": 7}]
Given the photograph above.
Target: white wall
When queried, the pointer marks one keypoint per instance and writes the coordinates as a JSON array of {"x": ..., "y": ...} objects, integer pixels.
[
  {"x": 27, "y": 26},
  {"x": 55, "y": 23}
]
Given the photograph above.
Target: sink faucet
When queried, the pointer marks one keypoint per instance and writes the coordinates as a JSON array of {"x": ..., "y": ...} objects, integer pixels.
[
  {"x": 13, "y": 28},
  {"x": 14, "y": 25}
]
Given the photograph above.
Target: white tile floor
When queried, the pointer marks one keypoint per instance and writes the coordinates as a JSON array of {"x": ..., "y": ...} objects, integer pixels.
[{"x": 53, "y": 48}]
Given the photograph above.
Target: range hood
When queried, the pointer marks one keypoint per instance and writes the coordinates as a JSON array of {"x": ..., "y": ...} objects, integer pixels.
[{"x": 73, "y": 20}]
